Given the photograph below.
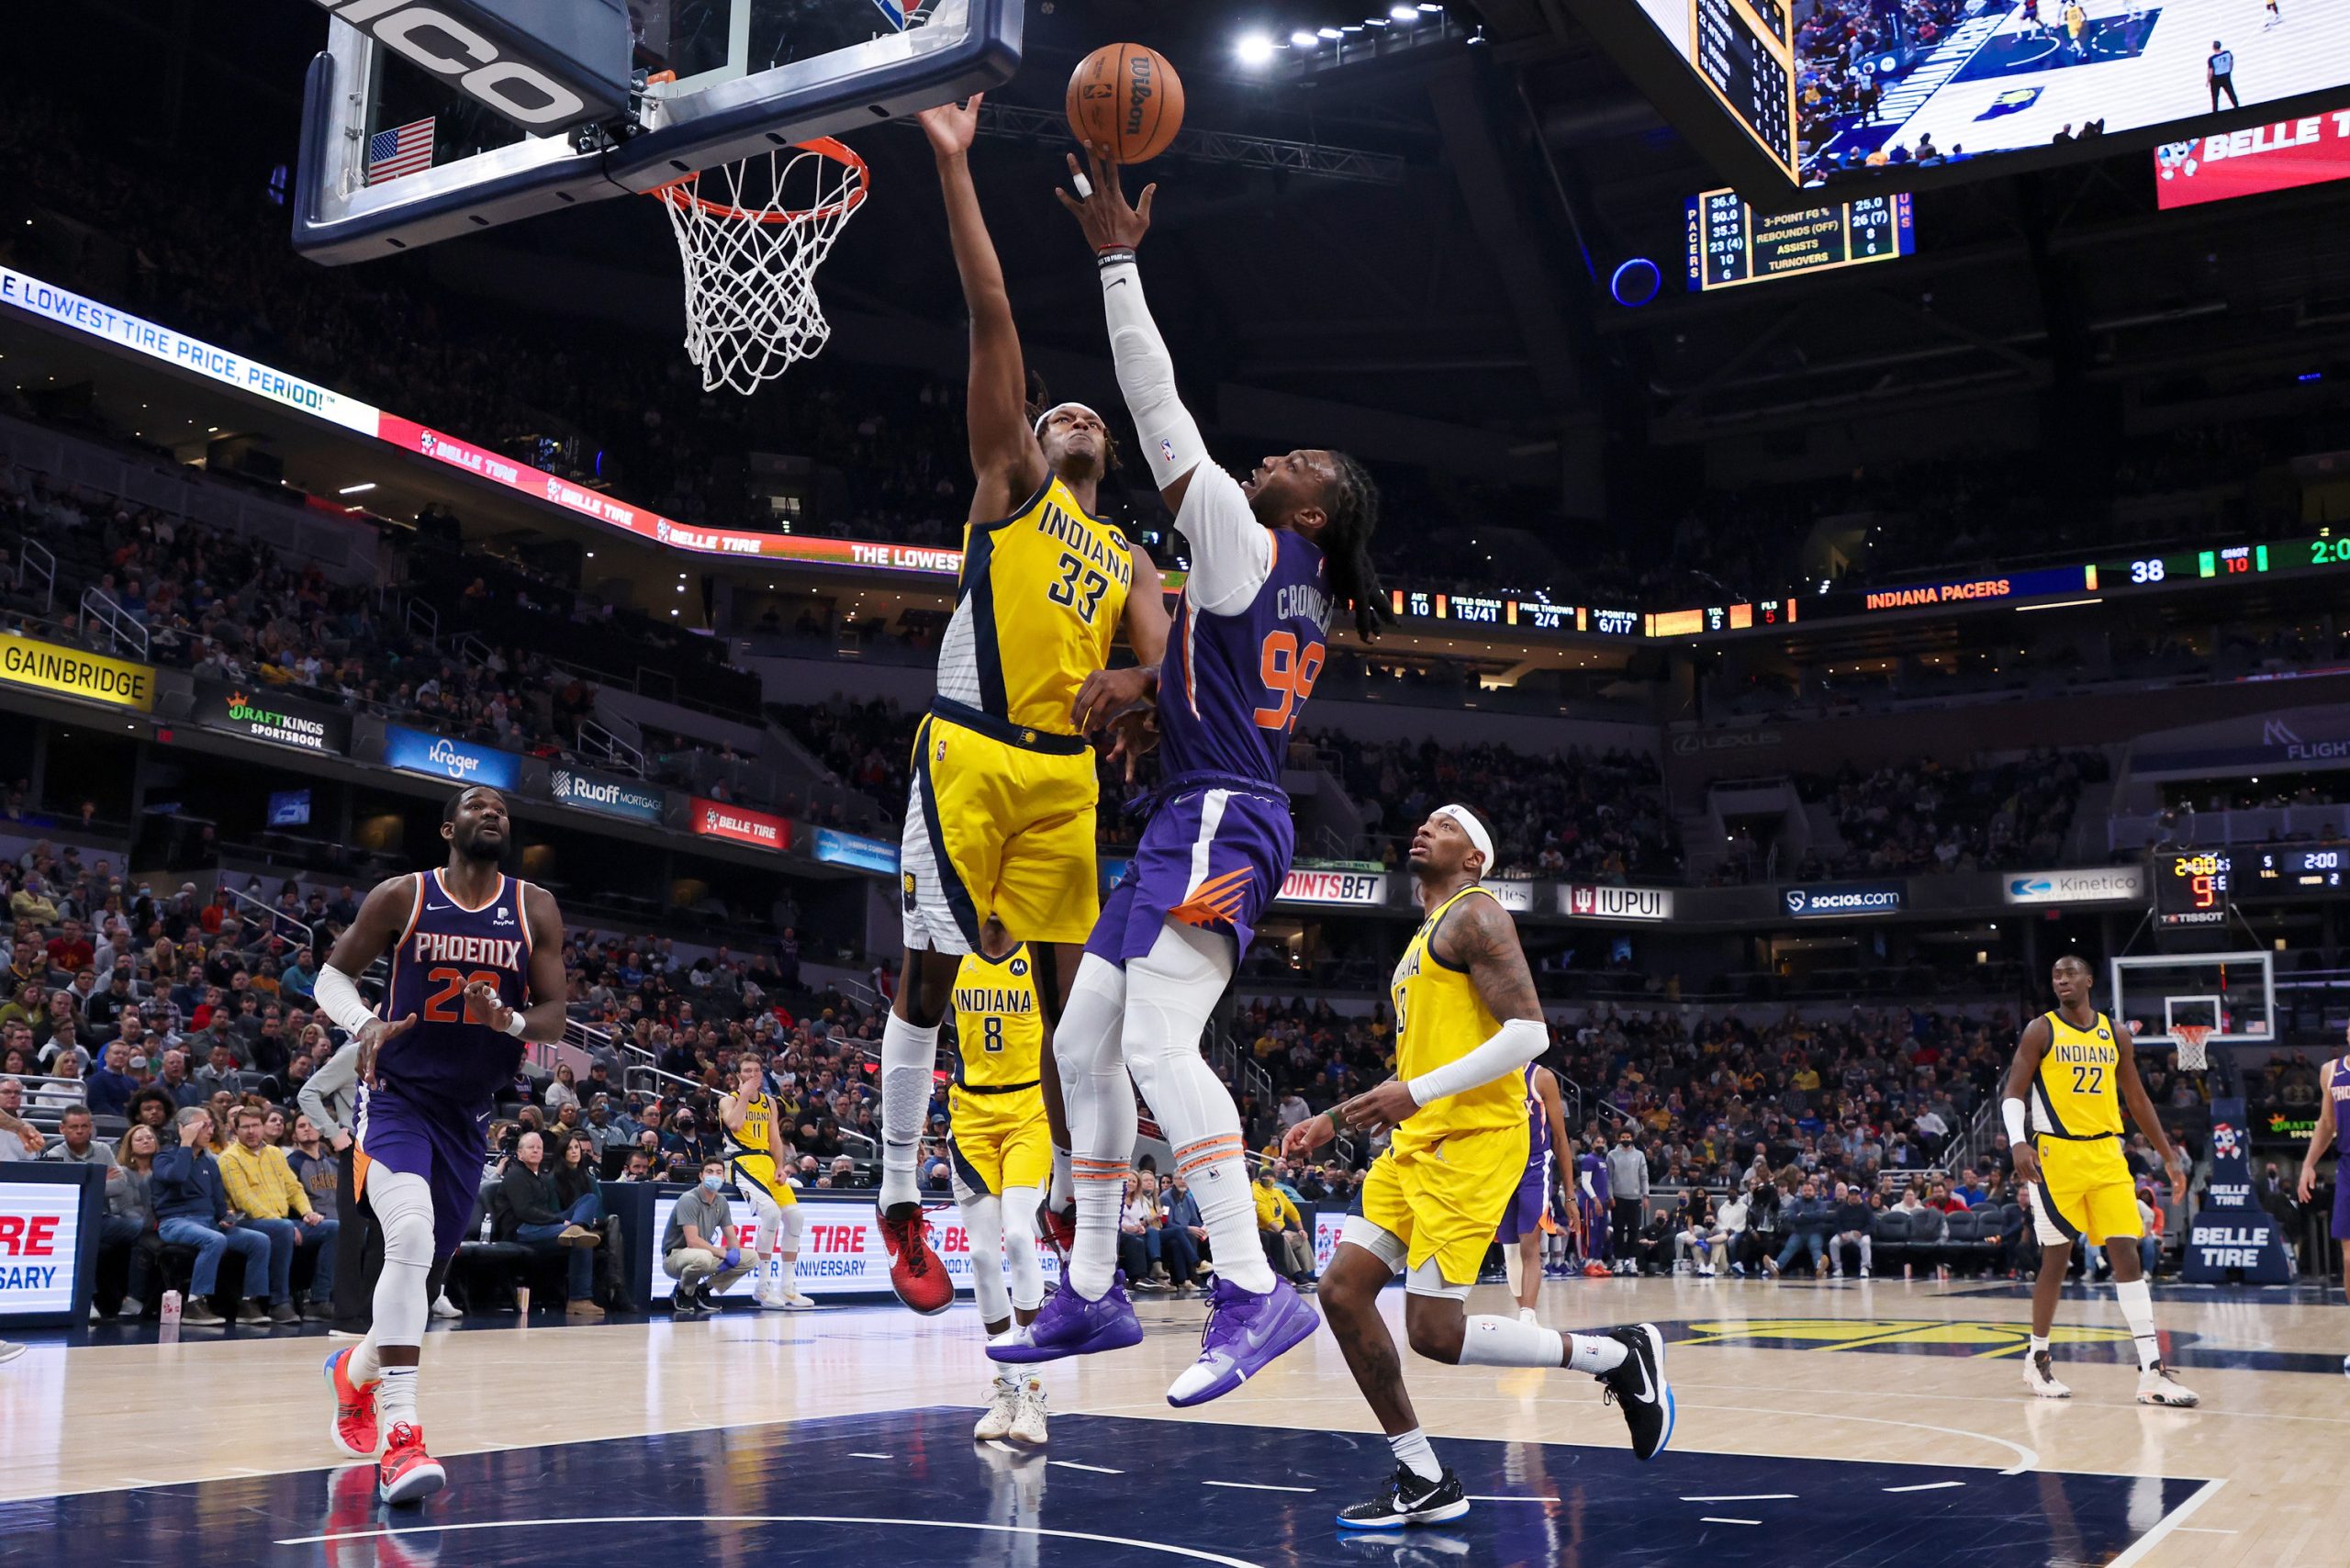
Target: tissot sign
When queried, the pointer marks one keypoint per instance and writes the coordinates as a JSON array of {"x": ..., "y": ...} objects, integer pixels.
[{"x": 1586, "y": 901}]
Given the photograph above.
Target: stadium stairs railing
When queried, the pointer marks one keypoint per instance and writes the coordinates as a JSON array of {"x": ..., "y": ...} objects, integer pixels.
[
  {"x": 123, "y": 632},
  {"x": 38, "y": 562}
]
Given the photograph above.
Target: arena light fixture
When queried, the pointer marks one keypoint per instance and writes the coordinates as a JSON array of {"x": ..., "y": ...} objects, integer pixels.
[
  {"x": 1254, "y": 48},
  {"x": 1403, "y": 13},
  {"x": 1303, "y": 40},
  {"x": 356, "y": 489}
]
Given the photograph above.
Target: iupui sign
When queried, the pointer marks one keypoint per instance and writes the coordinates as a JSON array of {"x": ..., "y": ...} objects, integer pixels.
[
  {"x": 1365, "y": 888},
  {"x": 841, "y": 1251},
  {"x": 2305, "y": 151},
  {"x": 1602, "y": 900},
  {"x": 2231, "y": 1238},
  {"x": 546, "y": 68}
]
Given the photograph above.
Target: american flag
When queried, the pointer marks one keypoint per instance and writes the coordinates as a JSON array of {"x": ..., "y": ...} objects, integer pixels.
[{"x": 391, "y": 153}]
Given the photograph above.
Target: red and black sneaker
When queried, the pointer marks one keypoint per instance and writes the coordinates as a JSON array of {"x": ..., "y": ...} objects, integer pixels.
[
  {"x": 1057, "y": 1228},
  {"x": 916, "y": 1273},
  {"x": 408, "y": 1473}
]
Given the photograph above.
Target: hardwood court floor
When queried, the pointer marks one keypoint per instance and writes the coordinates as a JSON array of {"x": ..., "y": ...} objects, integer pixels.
[{"x": 1852, "y": 1425}]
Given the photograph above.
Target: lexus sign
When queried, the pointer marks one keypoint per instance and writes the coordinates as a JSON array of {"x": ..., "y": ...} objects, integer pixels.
[
  {"x": 1601, "y": 900},
  {"x": 2096, "y": 884}
]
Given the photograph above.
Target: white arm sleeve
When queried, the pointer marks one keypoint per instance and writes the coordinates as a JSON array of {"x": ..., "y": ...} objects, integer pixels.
[
  {"x": 2011, "y": 1112},
  {"x": 337, "y": 996},
  {"x": 1231, "y": 553},
  {"x": 1519, "y": 1041}
]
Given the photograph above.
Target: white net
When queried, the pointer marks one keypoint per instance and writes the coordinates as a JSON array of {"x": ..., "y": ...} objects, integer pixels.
[
  {"x": 2194, "y": 1051},
  {"x": 751, "y": 235}
]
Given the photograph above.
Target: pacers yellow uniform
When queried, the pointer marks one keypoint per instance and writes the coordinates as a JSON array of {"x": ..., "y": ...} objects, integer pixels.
[
  {"x": 1452, "y": 1167},
  {"x": 995, "y": 1112},
  {"x": 2085, "y": 1191},
  {"x": 750, "y": 1155},
  {"x": 999, "y": 816}
]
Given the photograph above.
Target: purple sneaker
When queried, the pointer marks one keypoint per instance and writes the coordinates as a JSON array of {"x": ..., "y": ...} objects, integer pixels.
[
  {"x": 1246, "y": 1331},
  {"x": 1071, "y": 1326}
]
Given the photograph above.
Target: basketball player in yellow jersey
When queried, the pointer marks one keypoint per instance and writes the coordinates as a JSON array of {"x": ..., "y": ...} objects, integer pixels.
[
  {"x": 1466, "y": 1023},
  {"x": 2075, "y": 1071},
  {"x": 749, "y": 1118},
  {"x": 1000, "y": 818},
  {"x": 1001, "y": 1154}
]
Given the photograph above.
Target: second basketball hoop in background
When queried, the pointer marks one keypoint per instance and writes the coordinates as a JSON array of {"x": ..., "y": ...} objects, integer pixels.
[{"x": 1127, "y": 98}]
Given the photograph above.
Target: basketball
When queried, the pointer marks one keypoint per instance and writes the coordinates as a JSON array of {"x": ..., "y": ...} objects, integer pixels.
[{"x": 1127, "y": 98}]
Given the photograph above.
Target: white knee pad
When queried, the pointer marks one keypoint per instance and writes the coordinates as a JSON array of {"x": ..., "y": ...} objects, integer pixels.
[
  {"x": 788, "y": 1220},
  {"x": 1088, "y": 1054},
  {"x": 403, "y": 1206},
  {"x": 1171, "y": 990},
  {"x": 983, "y": 1217},
  {"x": 1020, "y": 1248}
]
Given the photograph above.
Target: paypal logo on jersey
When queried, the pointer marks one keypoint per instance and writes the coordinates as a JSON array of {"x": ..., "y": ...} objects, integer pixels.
[{"x": 438, "y": 757}]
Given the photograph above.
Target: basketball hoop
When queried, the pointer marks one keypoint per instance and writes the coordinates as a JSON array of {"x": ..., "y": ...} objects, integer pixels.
[
  {"x": 2192, "y": 1055},
  {"x": 751, "y": 245}
]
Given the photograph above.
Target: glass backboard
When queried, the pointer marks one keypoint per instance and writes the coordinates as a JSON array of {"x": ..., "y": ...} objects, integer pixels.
[
  {"x": 2233, "y": 995},
  {"x": 394, "y": 156}
]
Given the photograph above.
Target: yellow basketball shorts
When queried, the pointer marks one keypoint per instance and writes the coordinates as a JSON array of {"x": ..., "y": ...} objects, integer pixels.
[
  {"x": 755, "y": 1178},
  {"x": 2085, "y": 1193},
  {"x": 996, "y": 1142},
  {"x": 1445, "y": 1201},
  {"x": 1002, "y": 825}
]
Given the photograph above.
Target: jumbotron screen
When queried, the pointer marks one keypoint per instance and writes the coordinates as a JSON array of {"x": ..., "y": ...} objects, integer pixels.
[{"x": 1832, "y": 90}]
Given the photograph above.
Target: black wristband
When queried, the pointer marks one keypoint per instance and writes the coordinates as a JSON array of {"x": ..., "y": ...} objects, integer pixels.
[{"x": 1114, "y": 256}]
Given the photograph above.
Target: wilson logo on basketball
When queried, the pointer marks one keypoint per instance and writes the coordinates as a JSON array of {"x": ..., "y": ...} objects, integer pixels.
[{"x": 1137, "y": 92}]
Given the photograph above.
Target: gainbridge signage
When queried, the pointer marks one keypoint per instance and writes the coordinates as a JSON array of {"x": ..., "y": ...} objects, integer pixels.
[
  {"x": 263, "y": 715},
  {"x": 740, "y": 824},
  {"x": 69, "y": 672}
]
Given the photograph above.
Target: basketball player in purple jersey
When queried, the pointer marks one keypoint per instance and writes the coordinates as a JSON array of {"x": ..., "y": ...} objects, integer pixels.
[
  {"x": 1270, "y": 558},
  {"x": 476, "y": 968},
  {"x": 1520, "y": 1232},
  {"x": 2333, "y": 1104}
]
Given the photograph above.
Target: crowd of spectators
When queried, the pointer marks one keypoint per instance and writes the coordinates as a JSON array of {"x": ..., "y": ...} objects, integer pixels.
[{"x": 1922, "y": 816}]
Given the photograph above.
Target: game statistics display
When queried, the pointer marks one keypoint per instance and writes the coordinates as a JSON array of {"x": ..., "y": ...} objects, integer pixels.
[
  {"x": 2193, "y": 888},
  {"x": 2295, "y": 868},
  {"x": 1778, "y": 97},
  {"x": 1730, "y": 243}
]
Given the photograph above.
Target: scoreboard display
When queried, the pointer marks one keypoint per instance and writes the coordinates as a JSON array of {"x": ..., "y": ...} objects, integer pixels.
[
  {"x": 2193, "y": 888},
  {"x": 1729, "y": 244},
  {"x": 2297, "y": 868}
]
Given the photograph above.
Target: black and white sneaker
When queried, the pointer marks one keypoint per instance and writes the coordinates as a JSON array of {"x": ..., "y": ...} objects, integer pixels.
[
  {"x": 1637, "y": 1384},
  {"x": 1409, "y": 1499}
]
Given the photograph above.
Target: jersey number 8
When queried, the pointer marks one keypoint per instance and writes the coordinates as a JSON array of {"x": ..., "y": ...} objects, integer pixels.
[{"x": 991, "y": 1034}]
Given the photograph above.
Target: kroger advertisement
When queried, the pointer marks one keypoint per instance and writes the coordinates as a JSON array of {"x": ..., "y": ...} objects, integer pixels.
[
  {"x": 438, "y": 757},
  {"x": 840, "y": 1249}
]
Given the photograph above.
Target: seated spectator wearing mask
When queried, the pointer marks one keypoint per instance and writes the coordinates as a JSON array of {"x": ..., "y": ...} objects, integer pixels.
[
  {"x": 702, "y": 1250},
  {"x": 1848, "y": 1226}
]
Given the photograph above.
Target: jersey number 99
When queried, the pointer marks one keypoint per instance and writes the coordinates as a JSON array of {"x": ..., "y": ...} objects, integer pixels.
[{"x": 1288, "y": 676}]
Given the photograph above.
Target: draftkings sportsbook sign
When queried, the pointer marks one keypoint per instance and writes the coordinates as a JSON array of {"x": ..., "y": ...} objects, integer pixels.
[{"x": 263, "y": 714}]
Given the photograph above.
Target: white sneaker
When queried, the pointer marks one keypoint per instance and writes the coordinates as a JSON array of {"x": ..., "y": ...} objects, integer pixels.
[
  {"x": 1003, "y": 1406},
  {"x": 1865, "y": 1272},
  {"x": 1028, "y": 1416},
  {"x": 443, "y": 1307},
  {"x": 2160, "y": 1386},
  {"x": 792, "y": 1301},
  {"x": 2039, "y": 1376}
]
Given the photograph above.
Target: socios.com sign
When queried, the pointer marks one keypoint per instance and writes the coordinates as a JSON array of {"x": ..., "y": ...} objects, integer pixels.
[
  {"x": 641, "y": 803},
  {"x": 1828, "y": 898},
  {"x": 438, "y": 757}
]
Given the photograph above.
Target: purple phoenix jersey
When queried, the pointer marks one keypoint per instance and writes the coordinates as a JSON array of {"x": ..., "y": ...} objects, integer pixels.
[
  {"x": 2337, "y": 1089},
  {"x": 429, "y": 1113},
  {"x": 1218, "y": 842},
  {"x": 1524, "y": 1215}
]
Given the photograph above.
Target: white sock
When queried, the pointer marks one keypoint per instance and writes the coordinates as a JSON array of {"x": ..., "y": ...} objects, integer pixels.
[
  {"x": 1102, "y": 1118},
  {"x": 395, "y": 1397},
  {"x": 1063, "y": 1191},
  {"x": 787, "y": 1275},
  {"x": 2138, "y": 1310},
  {"x": 1526, "y": 1315},
  {"x": 908, "y": 1057},
  {"x": 1594, "y": 1353},
  {"x": 2039, "y": 1343},
  {"x": 1171, "y": 990},
  {"x": 1412, "y": 1452},
  {"x": 1506, "y": 1342},
  {"x": 363, "y": 1367}
]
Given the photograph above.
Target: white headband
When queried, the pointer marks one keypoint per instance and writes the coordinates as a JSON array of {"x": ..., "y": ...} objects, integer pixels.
[
  {"x": 1472, "y": 827},
  {"x": 1038, "y": 428}
]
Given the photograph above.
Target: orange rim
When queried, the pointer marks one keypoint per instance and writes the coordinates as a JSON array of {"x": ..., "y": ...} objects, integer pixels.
[{"x": 682, "y": 194}]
